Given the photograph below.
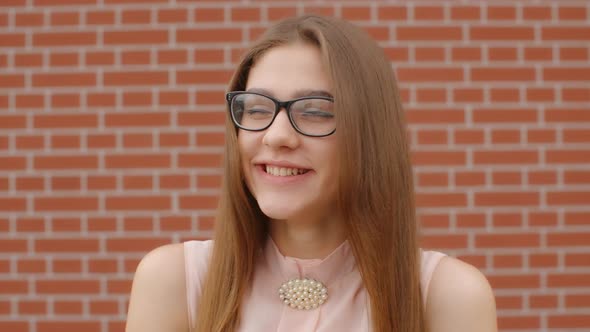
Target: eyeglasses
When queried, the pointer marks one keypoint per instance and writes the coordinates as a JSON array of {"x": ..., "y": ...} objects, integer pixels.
[{"x": 310, "y": 116}]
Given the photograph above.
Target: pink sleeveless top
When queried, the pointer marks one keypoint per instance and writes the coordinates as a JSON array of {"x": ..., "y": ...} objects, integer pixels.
[{"x": 345, "y": 310}]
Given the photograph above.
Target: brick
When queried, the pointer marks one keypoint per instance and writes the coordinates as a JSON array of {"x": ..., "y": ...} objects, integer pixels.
[
  {"x": 65, "y": 100},
  {"x": 104, "y": 224},
  {"x": 65, "y": 183},
  {"x": 429, "y": 74},
  {"x": 135, "y": 16},
  {"x": 538, "y": 54},
  {"x": 435, "y": 116},
  {"x": 135, "y": 78},
  {"x": 67, "y": 266},
  {"x": 502, "y": 54},
  {"x": 66, "y": 204},
  {"x": 100, "y": 182},
  {"x": 209, "y": 97},
  {"x": 65, "y": 162},
  {"x": 572, "y": 13},
  {"x": 54, "y": 121},
  {"x": 568, "y": 156},
  {"x": 577, "y": 218},
  {"x": 26, "y": 142},
  {"x": 12, "y": 39},
  {"x": 428, "y": 33},
  {"x": 64, "y": 2},
  {"x": 63, "y": 79},
  {"x": 99, "y": 58},
  {"x": 209, "y": 56},
  {"x": 505, "y": 157},
  {"x": 506, "y": 178},
  {"x": 245, "y": 14},
  {"x": 104, "y": 307},
  {"x": 172, "y": 56},
  {"x": 137, "y": 140},
  {"x": 566, "y": 115},
  {"x": 172, "y": 16},
  {"x": 198, "y": 202},
  {"x": 11, "y": 204},
  {"x": 57, "y": 39},
  {"x": 30, "y": 225},
  {"x": 504, "y": 302},
  {"x": 576, "y": 136},
  {"x": 502, "y": 74},
  {"x": 542, "y": 177},
  {"x": 508, "y": 261},
  {"x": 565, "y": 33},
  {"x": 576, "y": 239},
  {"x": 568, "y": 198},
  {"x": 428, "y": 13},
  {"x": 211, "y": 14},
  {"x": 138, "y": 224},
  {"x": 542, "y": 219},
  {"x": 136, "y": 182},
  {"x": 28, "y": 60},
  {"x": 519, "y": 322},
  {"x": 568, "y": 280},
  {"x": 279, "y": 13},
  {"x": 507, "y": 199},
  {"x": 469, "y": 136},
  {"x": 136, "y": 37},
  {"x": 174, "y": 139},
  {"x": 209, "y": 35},
  {"x": 521, "y": 240},
  {"x": 14, "y": 287},
  {"x": 210, "y": 139},
  {"x": 389, "y": 13},
  {"x": 461, "y": 13},
  {"x": 100, "y": 17},
  {"x": 425, "y": 158},
  {"x": 482, "y": 33},
  {"x": 577, "y": 259},
  {"x": 424, "y": 200},
  {"x": 543, "y": 260},
  {"x": 12, "y": 163},
  {"x": 471, "y": 220},
  {"x": 102, "y": 265},
  {"x": 66, "y": 224},
  {"x": 568, "y": 321},
  {"x": 134, "y": 244},
  {"x": 566, "y": 74},
  {"x": 138, "y": 98},
  {"x": 209, "y": 181},
  {"x": 135, "y": 57},
  {"x": 64, "y": 142},
  {"x": 28, "y": 19},
  {"x": 575, "y": 94},
  {"x": 24, "y": 265},
  {"x": 129, "y": 203},
  {"x": 501, "y": 13},
  {"x": 463, "y": 95},
  {"x": 577, "y": 301},
  {"x": 536, "y": 12},
  {"x": 507, "y": 219},
  {"x": 13, "y": 121},
  {"x": 135, "y": 161},
  {"x": 64, "y": 307},
  {"x": 30, "y": 183},
  {"x": 175, "y": 182},
  {"x": 444, "y": 241},
  {"x": 191, "y": 160},
  {"x": 573, "y": 177},
  {"x": 504, "y": 95},
  {"x": 573, "y": 54},
  {"x": 175, "y": 224},
  {"x": 64, "y": 18},
  {"x": 173, "y": 98},
  {"x": 203, "y": 76},
  {"x": 505, "y": 116},
  {"x": 12, "y": 81},
  {"x": 137, "y": 119}
]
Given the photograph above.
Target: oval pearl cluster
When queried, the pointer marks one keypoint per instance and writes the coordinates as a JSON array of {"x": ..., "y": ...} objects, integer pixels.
[{"x": 303, "y": 294}]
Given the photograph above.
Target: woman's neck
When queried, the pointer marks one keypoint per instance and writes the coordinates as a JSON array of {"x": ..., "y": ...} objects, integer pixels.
[{"x": 307, "y": 240}]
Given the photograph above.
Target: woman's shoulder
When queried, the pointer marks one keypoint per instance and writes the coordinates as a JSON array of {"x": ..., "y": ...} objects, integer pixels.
[
  {"x": 158, "y": 293},
  {"x": 460, "y": 299}
]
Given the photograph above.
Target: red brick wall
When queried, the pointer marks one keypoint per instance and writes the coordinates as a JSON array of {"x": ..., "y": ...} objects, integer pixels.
[{"x": 111, "y": 116}]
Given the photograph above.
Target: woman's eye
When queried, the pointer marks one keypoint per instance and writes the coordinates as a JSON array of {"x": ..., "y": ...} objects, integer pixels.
[{"x": 317, "y": 113}]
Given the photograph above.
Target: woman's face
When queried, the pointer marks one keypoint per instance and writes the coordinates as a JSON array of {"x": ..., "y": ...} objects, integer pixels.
[{"x": 269, "y": 157}]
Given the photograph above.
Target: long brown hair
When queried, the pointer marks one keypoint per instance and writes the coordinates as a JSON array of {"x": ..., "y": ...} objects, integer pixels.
[{"x": 375, "y": 195}]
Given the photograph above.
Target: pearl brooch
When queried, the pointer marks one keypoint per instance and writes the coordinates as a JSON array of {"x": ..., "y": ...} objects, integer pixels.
[{"x": 303, "y": 294}]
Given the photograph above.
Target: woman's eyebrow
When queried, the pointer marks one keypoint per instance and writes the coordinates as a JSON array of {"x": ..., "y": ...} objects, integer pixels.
[{"x": 297, "y": 94}]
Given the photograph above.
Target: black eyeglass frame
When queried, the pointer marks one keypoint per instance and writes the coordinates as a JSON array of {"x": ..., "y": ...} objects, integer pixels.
[{"x": 279, "y": 105}]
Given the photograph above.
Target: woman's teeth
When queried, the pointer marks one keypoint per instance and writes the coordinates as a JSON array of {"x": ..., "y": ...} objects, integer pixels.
[{"x": 283, "y": 171}]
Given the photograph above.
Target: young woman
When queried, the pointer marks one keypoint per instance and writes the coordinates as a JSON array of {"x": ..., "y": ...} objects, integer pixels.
[{"x": 316, "y": 228}]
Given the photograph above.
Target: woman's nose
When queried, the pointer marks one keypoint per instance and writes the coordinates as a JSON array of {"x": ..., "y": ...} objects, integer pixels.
[{"x": 281, "y": 133}]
